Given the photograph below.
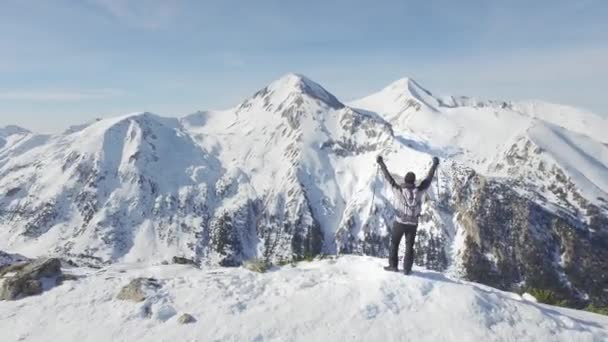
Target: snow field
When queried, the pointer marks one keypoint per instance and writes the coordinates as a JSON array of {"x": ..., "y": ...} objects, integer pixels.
[{"x": 345, "y": 299}]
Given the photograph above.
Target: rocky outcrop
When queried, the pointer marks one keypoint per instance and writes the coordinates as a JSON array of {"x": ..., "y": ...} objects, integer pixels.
[
  {"x": 138, "y": 289},
  {"x": 184, "y": 261},
  {"x": 27, "y": 278},
  {"x": 186, "y": 319},
  {"x": 9, "y": 258},
  {"x": 512, "y": 241}
]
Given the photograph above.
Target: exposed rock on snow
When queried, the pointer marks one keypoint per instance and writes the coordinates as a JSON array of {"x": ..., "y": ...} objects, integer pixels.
[
  {"x": 66, "y": 277},
  {"x": 186, "y": 319},
  {"x": 257, "y": 265},
  {"x": 8, "y": 258},
  {"x": 184, "y": 261},
  {"x": 28, "y": 278},
  {"x": 138, "y": 289}
]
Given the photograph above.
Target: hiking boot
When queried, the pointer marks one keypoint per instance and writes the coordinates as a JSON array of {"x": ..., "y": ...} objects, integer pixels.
[{"x": 391, "y": 268}]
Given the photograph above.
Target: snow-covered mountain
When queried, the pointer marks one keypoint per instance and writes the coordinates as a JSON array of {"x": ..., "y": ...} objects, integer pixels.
[
  {"x": 11, "y": 134},
  {"x": 349, "y": 298},
  {"x": 521, "y": 197}
]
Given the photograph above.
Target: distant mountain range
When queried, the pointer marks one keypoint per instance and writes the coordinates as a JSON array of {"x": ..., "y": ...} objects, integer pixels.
[{"x": 521, "y": 198}]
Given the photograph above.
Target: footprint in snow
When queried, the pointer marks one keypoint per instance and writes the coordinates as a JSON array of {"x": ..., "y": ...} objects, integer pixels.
[
  {"x": 238, "y": 307},
  {"x": 371, "y": 311},
  {"x": 308, "y": 284},
  {"x": 390, "y": 302},
  {"x": 427, "y": 288},
  {"x": 568, "y": 323}
]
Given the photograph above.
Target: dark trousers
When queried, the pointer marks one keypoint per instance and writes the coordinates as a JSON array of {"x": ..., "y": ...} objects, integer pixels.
[{"x": 400, "y": 229}]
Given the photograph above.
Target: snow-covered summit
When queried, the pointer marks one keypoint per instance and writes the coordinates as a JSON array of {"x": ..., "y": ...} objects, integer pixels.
[
  {"x": 11, "y": 134},
  {"x": 400, "y": 96},
  {"x": 9, "y": 130},
  {"x": 289, "y": 92},
  {"x": 574, "y": 119},
  {"x": 299, "y": 84},
  {"x": 487, "y": 134},
  {"x": 140, "y": 117}
]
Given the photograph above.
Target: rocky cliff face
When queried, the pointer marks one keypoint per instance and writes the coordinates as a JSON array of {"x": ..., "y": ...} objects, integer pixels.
[
  {"x": 511, "y": 241},
  {"x": 290, "y": 173}
]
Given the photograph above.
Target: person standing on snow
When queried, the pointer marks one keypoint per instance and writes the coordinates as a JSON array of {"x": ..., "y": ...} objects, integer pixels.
[{"x": 409, "y": 206}]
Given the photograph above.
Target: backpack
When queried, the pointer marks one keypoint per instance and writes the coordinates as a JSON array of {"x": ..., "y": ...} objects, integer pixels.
[{"x": 409, "y": 206}]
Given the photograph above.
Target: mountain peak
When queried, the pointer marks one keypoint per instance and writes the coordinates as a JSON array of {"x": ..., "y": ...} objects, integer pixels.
[
  {"x": 294, "y": 80},
  {"x": 300, "y": 84},
  {"x": 294, "y": 87},
  {"x": 408, "y": 85},
  {"x": 399, "y": 96},
  {"x": 9, "y": 130},
  {"x": 143, "y": 117},
  {"x": 402, "y": 82},
  {"x": 404, "y": 93}
]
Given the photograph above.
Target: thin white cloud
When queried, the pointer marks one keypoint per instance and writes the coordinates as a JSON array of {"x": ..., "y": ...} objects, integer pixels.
[
  {"x": 144, "y": 14},
  {"x": 58, "y": 96},
  {"x": 527, "y": 66},
  {"x": 233, "y": 60}
]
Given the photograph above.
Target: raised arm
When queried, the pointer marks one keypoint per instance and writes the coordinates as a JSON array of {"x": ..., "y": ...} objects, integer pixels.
[
  {"x": 386, "y": 174},
  {"x": 429, "y": 177}
]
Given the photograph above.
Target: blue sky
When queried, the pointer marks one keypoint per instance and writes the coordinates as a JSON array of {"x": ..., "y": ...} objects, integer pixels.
[{"x": 65, "y": 61}]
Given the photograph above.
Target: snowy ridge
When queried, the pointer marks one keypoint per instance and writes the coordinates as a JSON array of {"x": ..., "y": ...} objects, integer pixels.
[
  {"x": 398, "y": 97},
  {"x": 472, "y": 135},
  {"x": 11, "y": 134},
  {"x": 290, "y": 90},
  {"x": 570, "y": 118},
  {"x": 345, "y": 299},
  {"x": 583, "y": 158},
  {"x": 9, "y": 130}
]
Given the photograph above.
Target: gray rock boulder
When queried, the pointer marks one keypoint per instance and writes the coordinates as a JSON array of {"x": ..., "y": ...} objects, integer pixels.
[
  {"x": 8, "y": 258},
  {"x": 184, "y": 261},
  {"x": 186, "y": 319},
  {"x": 138, "y": 289},
  {"x": 25, "y": 278},
  {"x": 66, "y": 277}
]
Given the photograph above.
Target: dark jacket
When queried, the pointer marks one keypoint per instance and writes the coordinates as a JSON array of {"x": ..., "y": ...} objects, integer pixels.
[{"x": 408, "y": 195}]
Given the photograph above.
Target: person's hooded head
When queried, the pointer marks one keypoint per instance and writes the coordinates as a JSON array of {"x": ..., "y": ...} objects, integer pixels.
[{"x": 410, "y": 179}]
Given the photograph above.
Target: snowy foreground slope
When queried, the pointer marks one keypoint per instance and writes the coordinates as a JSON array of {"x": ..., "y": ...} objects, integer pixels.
[
  {"x": 521, "y": 197},
  {"x": 345, "y": 299}
]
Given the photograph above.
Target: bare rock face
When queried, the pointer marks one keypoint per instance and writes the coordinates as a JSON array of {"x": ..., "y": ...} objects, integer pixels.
[
  {"x": 65, "y": 277},
  {"x": 184, "y": 261},
  {"x": 8, "y": 258},
  {"x": 186, "y": 319},
  {"x": 31, "y": 288},
  {"x": 25, "y": 278},
  {"x": 514, "y": 242},
  {"x": 137, "y": 290}
]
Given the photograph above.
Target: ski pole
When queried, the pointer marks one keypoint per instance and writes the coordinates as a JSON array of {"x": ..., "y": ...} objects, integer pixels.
[
  {"x": 373, "y": 192},
  {"x": 437, "y": 183}
]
